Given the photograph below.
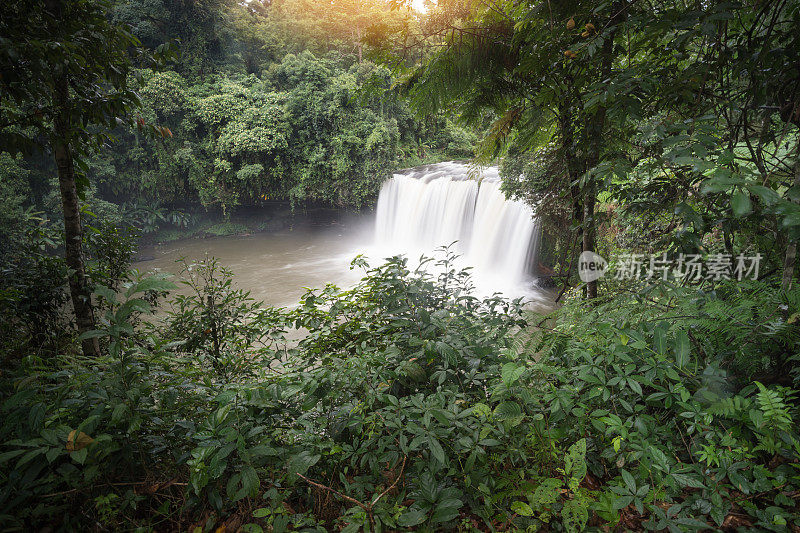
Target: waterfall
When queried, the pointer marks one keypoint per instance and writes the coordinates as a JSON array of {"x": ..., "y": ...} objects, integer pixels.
[{"x": 434, "y": 205}]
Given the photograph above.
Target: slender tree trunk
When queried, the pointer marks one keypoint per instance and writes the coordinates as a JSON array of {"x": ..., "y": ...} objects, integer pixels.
[
  {"x": 572, "y": 164},
  {"x": 595, "y": 127},
  {"x": 788, "y": 266},
  {"x": 73, "y": 232},
  {"x": 595, "y": 143},
  {"x": 791, "y": 247},
  {"x": 588, "y": 235}
]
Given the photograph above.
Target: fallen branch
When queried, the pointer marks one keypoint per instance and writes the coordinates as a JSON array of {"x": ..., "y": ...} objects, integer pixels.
[
  {"x": 390, "y": 487},
  {"x": 159, "y": 486},
  {"x": 368, "y": 507},
  {"x": 325, "y": 487}
]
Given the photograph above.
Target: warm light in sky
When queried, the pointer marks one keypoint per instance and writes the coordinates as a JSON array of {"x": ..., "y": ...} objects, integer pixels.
[{"x": 419, "y": 5}]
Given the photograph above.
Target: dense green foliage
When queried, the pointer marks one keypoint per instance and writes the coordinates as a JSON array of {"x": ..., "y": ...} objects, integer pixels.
[
  {"x": 299, "y": 133},
  {"x": 409, "y": 404},
  {"x": 253, "y": 108}
]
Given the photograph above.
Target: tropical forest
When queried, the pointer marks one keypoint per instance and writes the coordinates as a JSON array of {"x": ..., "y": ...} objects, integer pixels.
[{"x": 399, "y": 265}]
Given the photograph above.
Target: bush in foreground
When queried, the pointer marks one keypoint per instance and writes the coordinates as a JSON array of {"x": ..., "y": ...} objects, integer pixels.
[{"x": 407, "y": 405}]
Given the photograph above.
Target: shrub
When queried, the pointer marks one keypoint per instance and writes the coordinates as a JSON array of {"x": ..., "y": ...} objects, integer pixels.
[
  {"x": 405, "y": 405},
  {"x": 676, "y": 440}
]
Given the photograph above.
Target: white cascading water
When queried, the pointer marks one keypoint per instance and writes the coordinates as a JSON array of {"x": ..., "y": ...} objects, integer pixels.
[{"x": 435, "y": 205}]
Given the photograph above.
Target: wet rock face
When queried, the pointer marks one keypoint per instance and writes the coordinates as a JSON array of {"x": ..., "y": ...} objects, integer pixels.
[{"x": 545, "y": 282}]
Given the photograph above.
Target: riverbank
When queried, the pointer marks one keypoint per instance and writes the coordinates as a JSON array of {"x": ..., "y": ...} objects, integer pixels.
[{"x": 268, "y": 218}]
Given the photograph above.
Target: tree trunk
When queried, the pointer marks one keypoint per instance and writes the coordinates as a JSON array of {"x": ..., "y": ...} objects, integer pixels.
[
  {"x": 595, "y": 127},
  {"x": 788, "y": 266},
  {"x": 588, "y": 235},
  {"x": 791, "y": 247},
  {"x": 73, "y": 232},
  {"x": 566, "y": 124}
]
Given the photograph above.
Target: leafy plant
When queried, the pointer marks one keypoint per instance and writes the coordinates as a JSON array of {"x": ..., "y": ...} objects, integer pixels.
[{"x": 221, "y": 326}]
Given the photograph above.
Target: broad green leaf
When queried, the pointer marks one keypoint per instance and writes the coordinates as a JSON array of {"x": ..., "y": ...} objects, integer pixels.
[
  {"x": 765, "y": 194},
  {"x": 250, "y": 481},
  {"x": 301, "y": 462},
  {"x": 79, "y": 456},
  {"x": 630, "y": 482},
  {"x": 740, "y": 203},
  {"x": 522, "y": 508},
  {"x": 575, "y": 463},
  {"x": 511, "y": 372},
  {"x": 436, "y": 449},
  {"x": 411, "y": 518},
  {"x": 682, "y": 349},
  {"x": 575, "y": 514},
  {"x": 686, "y": 480},
  {"x": 508, "y": 410},
  {"x": 446, "y": 510}
]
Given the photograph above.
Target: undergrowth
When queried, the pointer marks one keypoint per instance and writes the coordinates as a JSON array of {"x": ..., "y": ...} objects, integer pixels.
[{"x": 408, "y": 405}]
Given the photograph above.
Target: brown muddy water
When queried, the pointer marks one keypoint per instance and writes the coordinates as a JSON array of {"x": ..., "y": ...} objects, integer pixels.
[{"x": 274, "y": 266}]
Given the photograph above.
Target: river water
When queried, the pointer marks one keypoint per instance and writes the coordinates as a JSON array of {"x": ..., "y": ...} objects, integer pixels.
[
  {"x": 274, "y": 266},
  {"x": 417, "y": 211}
]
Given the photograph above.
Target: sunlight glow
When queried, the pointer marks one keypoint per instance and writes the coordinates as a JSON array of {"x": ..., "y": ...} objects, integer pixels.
[{"x": 419, "y": 5}]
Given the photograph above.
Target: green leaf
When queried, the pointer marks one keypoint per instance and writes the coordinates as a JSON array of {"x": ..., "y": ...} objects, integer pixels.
[
  {"x": 436, "y": 449},
  {"x": 446, "y": 510},
  {"x": 7, "y": 456},
  {"x": 630, "y": 482},
  {"x": 791, "y": 216},
  {"x": 575, "y": 514},
  {"x": 740, "y": 203},
  {"x": 481, "y": 410},
  {"x": 522, "y": 508},
  {"x": 547, "y": 493},
  {"x": 301, "y": 462},
  {"x": 250, "y": 481},
  {"x": 508, "y": 410},
  {"x": 575, "y": 463},
  {"x": 79, "y": 456},
  {"x": 765, "y": 194},
  {"x": 660, "y": 340},
  {"x": 411, "y": 518},
  {"x": 622, "y": 502},
  {"x": 511, "y": 372},
  {"x": 261, "y": 450},
  {"x": 118, "y": 413},
  {"x": 447, "y": 351},
  {"x": 91, "y": 334},
  {"x": 685, "y": 480},
  {"x": 682, "y": 349}
]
